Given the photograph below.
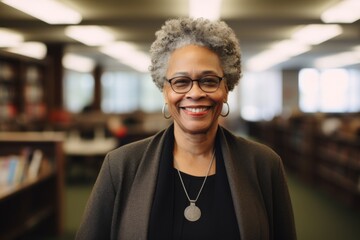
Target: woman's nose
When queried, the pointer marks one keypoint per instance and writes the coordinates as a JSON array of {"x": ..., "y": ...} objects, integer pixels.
[{"x": 196, "y": 91}]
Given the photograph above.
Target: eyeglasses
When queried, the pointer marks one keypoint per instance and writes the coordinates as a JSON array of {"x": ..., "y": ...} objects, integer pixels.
[{"x": 183, "y": 84}]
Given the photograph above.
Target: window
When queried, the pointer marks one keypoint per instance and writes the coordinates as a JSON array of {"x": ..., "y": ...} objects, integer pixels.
[
  {"x": 309, "y": 88},
  {"x": 78, "y": 90},
  {"x": 119, "y": 92},
  {"x": 332, "y": 90},
  {"x": 151, "y": 99},
  {"x": 124, "y": 92},
  {"x": 260, "y": 95}
]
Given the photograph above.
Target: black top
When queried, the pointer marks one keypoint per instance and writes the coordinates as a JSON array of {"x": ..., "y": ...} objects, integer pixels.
[{"x": 167, "y": 221}]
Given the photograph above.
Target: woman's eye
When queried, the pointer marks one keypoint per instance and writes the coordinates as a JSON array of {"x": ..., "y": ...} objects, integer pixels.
[
  {"x": 180, "y": 82},
  {"x": 209, "y": 81}
]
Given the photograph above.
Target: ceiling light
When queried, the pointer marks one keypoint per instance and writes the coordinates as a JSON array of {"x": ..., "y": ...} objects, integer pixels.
[
  {"x": 36, "y": 50},
  {"x": 90, "y": 35},
  {"x": 9, "y": 38},
  {"x": 118, "y": 50},
  {"x": 278, "y": 52},
  {"x": 290, "y": 48},
  {"x": 49, "y": 11},
  {"x": 78, "y": 63},
  {"x": 209, "y": 9},
  {"x": 347, "y": 11},
  {"x": 338, "y": 60},
  {"x": 317, "y": 33},
  {"x": 127, "y": 54},
  {"x": 265, "y": 60}
]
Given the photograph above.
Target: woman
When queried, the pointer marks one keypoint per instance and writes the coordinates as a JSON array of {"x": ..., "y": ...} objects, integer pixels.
[{"x": 195, "y": 179}]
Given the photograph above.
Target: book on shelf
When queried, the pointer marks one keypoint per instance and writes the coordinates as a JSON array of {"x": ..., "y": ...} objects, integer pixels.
[
  {"x": 15, "y": 169},
  {"x": 35, "y": 164}
]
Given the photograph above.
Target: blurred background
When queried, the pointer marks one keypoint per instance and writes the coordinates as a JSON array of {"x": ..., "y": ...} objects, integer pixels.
[{"x": 74, "y": 85}]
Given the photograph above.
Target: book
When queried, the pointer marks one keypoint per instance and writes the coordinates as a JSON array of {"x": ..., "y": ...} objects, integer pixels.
[
  {"x": 15, "y": 169},
  {"x": 35, "y": 163},
  {"x": 13, "y": 163},
  {"x": 4, "y": 171}
]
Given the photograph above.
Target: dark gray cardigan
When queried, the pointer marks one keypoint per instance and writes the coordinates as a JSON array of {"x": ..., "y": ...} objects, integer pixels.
[{"x": 120, "y": 203}]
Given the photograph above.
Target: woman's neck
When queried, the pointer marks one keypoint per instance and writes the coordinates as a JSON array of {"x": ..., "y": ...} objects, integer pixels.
[{"x": 194, "y": 152}]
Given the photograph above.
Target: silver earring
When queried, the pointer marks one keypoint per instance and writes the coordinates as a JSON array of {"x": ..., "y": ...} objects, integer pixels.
[
  {"x": 227, "y": 112},
  {"x": 164, "y": 112}
]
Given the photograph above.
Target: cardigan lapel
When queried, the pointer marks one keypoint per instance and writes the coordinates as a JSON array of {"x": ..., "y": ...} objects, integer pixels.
[
  {"x": 243, "y": 190},
  {"x": 135, "y": 220}
]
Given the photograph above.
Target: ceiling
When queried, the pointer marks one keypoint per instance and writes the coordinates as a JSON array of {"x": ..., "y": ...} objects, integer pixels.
[{"x": 257, "y": 23}]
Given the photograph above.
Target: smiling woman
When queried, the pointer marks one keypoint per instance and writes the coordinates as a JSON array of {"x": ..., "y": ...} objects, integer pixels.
[
  {"x": 193, "y": 109},
  {"x": 194, "y": 179}
]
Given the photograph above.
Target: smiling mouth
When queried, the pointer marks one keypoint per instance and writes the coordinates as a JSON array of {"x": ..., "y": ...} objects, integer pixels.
[{"x": 196, "y": 110}]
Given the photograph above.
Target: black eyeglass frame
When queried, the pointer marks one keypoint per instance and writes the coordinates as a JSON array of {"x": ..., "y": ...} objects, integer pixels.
[{"x": 192, "y": 83}]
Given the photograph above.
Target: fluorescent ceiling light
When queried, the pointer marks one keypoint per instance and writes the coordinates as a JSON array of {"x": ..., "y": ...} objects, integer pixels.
[
  {"x": 50, "y": 11},
  {"x": 127, "y": 54},
  {"x": 265, "y": 60},
  {"x": 347, "y": 11},
  {"x": 279, "y": 52},
  {"x": 299, "y": 43},
  {"x": 78, "y": 63},
  {"x": 290, "y": 48},
  {"x": 36, "y": 50},
  {"x": 90, "y": 35},
  {"x": 338, "y": 60},
  {"x": 209, "y": 9},
  {"x": 317, "y": 33},
  {"x": 118, "y": 50},
  {"x": 9, "y": 38}
]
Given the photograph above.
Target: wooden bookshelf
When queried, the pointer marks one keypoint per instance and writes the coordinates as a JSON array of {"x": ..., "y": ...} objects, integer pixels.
[
  {"x": 33, "y": 208},
  {"x": 24, "y": 92},
  {"x": 300, "y": 148},
  {"x": 9, "y": 88},
  {"x": 330, "y": 162},
  {"x": 338, "y": 168},
  {"x": 293, "y": 140}
]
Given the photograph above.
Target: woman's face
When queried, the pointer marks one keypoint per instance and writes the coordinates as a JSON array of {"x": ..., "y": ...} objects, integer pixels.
[{"x": 195, "y": 111}]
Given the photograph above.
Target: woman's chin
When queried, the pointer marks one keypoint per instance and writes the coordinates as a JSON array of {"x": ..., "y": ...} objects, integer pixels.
[{"x": 196, "y": 128}]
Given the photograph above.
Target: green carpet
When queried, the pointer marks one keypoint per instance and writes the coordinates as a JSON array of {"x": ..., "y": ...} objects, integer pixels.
[{"x": 319, "y": 216}]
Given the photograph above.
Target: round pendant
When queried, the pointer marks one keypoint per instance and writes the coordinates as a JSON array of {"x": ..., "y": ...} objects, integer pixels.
[{"x": 192, "y": 213}]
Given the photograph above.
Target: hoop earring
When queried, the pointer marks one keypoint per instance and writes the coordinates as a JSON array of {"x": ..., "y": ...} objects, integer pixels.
[
  {"x": 164, "y": 113},
  {"x": 228, "y": 110}
]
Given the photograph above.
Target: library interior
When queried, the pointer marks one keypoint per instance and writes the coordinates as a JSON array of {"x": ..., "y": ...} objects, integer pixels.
[{"x": 75, "y": 84}]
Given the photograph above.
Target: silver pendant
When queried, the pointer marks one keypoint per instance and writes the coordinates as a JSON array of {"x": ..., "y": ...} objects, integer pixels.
[{"x": 192, "y": 213}]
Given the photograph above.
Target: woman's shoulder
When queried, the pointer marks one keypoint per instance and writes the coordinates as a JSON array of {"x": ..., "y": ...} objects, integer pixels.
[
  {"x": 131, "y": 154},
  {"x": 130, "y": 149}
]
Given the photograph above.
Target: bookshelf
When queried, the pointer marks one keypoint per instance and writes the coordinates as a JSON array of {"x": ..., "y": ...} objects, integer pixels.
[
  {"x": 24, "y": 92},
  {"x": 300, "y": 146},
  {"x": 338, "y": 168},
  {"x": 329, "y": 161},
  {"x": 292, "y": 140},
  {"x": 34, "y": 89},
  {"x": 9, "y": 86},
  {"x": 33, "y": 207}
]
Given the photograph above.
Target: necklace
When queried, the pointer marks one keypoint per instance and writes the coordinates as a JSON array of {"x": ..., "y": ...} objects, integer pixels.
[{"x": 192, "y": 212}]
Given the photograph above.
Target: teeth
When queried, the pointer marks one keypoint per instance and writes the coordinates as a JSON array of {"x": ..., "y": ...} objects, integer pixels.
[{"x": 196, "y": 110}]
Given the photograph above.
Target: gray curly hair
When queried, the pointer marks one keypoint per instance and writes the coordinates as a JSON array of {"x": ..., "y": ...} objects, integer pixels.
[{"x": 215, "y": 35}]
